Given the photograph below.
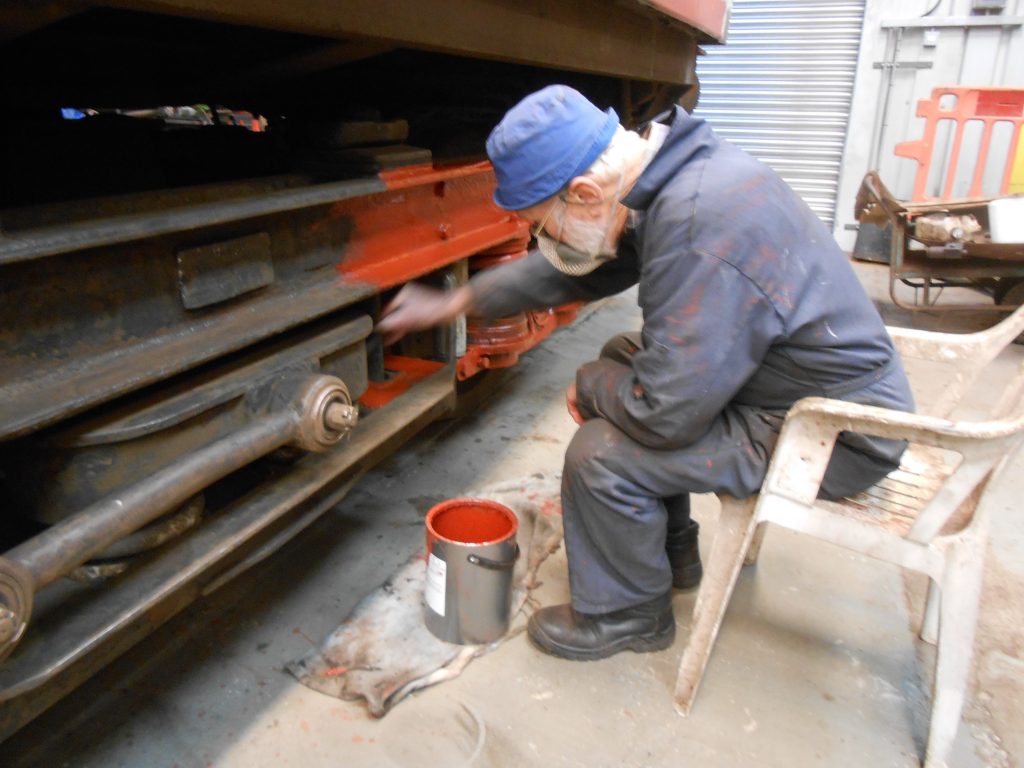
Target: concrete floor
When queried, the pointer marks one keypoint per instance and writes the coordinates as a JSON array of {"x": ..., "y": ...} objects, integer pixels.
[{"x": 817, "y": 663}]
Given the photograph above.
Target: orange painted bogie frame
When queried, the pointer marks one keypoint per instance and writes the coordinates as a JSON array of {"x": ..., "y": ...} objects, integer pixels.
[{"x": 429, "y": 218}]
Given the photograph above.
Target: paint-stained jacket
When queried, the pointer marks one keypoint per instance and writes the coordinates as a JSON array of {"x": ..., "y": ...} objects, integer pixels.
[{"x": 746, "y": 300}]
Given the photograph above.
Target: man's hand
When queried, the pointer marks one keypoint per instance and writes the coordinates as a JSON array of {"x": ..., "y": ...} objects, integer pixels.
[
  {"x": 417, "y": 307},
  {"x": 572, "y": 405}
]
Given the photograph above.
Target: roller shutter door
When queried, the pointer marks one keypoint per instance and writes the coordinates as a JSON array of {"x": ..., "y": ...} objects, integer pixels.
[{"x": 781, "y": 88}]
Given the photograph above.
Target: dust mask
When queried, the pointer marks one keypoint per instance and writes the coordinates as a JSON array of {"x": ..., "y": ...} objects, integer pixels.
[{"x": 581, "y": 246}]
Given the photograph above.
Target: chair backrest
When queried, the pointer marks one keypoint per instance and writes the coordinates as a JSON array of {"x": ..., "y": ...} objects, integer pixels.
[{"x": 966, "y": 354}]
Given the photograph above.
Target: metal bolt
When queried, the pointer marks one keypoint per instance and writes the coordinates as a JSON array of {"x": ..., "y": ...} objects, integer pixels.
[
  {"x": 340, "y": 416},
  {"x": 8, "y": 624}
]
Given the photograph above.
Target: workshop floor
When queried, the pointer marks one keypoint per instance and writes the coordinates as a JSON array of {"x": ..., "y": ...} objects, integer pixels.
[{"x": 817, "y": 663}]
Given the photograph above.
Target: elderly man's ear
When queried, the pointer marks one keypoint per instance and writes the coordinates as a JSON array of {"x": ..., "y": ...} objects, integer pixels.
[{"x": 583, "y": 189}]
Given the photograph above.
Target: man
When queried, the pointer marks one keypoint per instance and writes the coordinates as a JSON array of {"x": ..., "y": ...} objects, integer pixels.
[{"x": 748, "y": 305}]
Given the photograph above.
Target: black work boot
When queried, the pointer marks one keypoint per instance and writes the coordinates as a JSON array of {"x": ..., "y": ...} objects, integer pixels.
[
  {"x": 684, "y": 557},
  {"x": 569, "y": 634}
]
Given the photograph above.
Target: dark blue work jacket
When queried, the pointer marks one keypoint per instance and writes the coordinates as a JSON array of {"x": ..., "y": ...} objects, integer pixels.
[{"x": 746, "y": 300}]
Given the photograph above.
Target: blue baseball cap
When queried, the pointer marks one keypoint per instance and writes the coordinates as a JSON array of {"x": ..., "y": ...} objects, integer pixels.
[{"x": 544, "y": 142}]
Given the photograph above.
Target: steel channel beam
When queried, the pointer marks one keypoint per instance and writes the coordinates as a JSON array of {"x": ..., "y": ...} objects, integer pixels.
[
  {"x": 66, "y": 646},
  {"x": 223, "y": 384},
  {"x": 425, "y": 220},
  {"x": 18, "y": 246},
  {"x": 52, "y": 553},
  {"x": 24, "y": 16},
  {"x": 617, "y": 39}
]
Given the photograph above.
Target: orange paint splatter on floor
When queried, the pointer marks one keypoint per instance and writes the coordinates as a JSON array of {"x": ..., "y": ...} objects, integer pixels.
[{"x": 551, "y": 507}]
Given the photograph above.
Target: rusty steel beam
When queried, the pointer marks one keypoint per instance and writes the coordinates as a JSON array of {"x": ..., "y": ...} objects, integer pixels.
[
  {"x": 297, "y": 65},
  {"x": 25, "y": 244},
  {"x": 377, "y": 234},
  {"x": 21, "y": 17},
  {"x": 592, "y": 36},
  {"x": 68, "y": 644},
  {"x": 58, "y": 549},
  {"x": 313, "y": 413}
]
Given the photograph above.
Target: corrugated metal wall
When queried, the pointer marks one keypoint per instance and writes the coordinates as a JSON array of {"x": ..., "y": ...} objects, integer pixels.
[{"x": 781, "y": 88}]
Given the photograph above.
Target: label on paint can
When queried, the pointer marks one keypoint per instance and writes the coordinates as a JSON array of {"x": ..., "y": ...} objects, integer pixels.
[{"x": 437, "y": 577}]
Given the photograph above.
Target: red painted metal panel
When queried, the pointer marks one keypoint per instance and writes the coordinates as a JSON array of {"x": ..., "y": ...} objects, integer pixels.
[
  {"x": 406, "y": 371},
  {"x": 428, "y": 218}
]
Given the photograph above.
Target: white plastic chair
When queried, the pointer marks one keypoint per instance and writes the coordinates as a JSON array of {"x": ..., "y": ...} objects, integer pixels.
[{"x": 925, "y": 516}]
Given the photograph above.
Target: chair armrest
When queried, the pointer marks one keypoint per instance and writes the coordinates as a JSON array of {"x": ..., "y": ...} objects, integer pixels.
[{"x": 834, "y": 416}]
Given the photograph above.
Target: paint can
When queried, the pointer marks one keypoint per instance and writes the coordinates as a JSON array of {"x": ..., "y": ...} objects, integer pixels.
[{"x": 471, "y": 552}]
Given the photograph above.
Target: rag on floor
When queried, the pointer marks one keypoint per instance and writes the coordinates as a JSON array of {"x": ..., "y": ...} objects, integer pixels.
[{"x": 383, "y": 651}]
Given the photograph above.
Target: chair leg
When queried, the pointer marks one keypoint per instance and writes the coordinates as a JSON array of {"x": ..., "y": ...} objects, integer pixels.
[
  {"x": 958, "y": 615},
  {"x": 735, "y": 531},
  {"x": 755, "y": 545},
  {"x": 930, "y": 623}
]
